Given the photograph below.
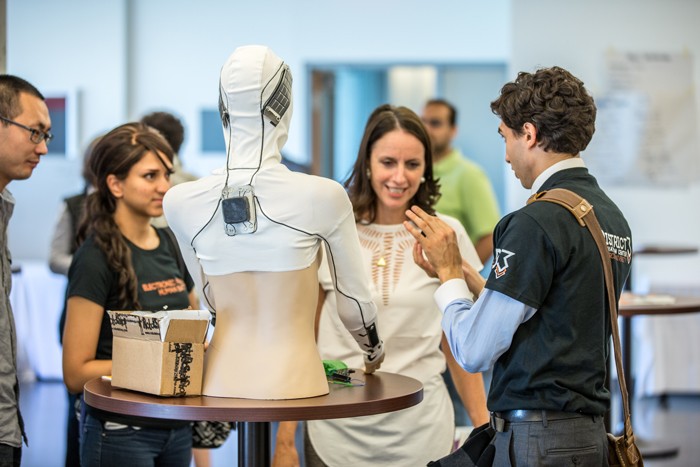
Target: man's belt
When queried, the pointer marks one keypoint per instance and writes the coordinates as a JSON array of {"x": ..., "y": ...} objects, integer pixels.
[{"x": 500, "y": 420}]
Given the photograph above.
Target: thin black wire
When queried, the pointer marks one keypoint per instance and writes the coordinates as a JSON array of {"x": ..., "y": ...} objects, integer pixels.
[{"x": 330, "y": 253}]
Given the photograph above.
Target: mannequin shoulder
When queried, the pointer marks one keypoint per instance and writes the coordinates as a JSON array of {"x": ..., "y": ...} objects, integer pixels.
[
  {"x": 309, "y": 188},
  {"x": 327, "y": 192},
  {"x": 194, "y": 188},
  {"x": 191, "y": 194},
  {"x": 309, "y": 196}
]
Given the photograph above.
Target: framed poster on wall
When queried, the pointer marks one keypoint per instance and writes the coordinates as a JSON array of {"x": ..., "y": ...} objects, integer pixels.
[{"x": 64, "y": 123}]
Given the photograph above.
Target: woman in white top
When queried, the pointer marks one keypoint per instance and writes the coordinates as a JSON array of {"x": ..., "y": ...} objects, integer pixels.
[{"x": 393, "y": 171}]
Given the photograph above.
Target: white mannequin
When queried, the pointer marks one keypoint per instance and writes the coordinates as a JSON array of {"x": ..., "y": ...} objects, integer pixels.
[{"x": 263, "y": 284}]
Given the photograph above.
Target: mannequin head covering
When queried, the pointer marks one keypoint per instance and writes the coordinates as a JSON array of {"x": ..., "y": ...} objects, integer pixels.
[{"x": 255, "y": 102}]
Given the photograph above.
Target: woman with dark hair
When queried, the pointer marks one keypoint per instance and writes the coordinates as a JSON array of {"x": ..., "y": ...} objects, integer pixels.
[
  {"x": 392, "y": 127},
  {"x": 123, "y": 263},
  {"x": 393, "y": 171}
]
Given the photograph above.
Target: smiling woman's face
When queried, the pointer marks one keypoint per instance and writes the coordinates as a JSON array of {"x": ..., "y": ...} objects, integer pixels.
[{"x": 397, "y": 163}]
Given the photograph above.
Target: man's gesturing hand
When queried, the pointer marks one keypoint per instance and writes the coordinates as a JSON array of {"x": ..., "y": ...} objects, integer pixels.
[{"x": 439, "y": 243}]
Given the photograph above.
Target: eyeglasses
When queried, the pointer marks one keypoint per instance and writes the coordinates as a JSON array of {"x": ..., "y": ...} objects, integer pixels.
[
  {"x": 36, "y": 136},
  {"x": 434, "y": 122}
]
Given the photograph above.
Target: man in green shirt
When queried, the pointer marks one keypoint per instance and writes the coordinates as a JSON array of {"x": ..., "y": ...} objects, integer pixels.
[{"x": 467, "y": 194}]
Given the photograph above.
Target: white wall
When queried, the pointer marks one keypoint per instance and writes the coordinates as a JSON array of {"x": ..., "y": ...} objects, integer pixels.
[
  {"x": 575, "y": 35},
  {"x": 76, "y": 46},
  {"x": 176, "y": 49},
  {"x": 180, "y": 53}
]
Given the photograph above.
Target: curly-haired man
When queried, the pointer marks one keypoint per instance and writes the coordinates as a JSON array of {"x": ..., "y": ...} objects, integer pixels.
[{"x": 541, "y": 319}]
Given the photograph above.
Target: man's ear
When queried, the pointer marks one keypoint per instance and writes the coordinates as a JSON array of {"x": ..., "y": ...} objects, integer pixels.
[
  {"x": 115, "y": 186},
  {"x": 530, "y": 135},
  {"x": 453, "y": 132}
]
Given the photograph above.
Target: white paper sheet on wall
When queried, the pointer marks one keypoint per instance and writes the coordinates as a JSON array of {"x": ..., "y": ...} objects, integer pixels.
[{"x": 647, "y": 127}]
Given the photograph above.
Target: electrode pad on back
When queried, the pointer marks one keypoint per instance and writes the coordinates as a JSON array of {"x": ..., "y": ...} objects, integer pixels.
[{"x": 238, "y": 205}]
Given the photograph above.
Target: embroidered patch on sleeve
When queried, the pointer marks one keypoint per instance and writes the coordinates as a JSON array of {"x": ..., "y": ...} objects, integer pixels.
[{"x": 500, "y": 262}]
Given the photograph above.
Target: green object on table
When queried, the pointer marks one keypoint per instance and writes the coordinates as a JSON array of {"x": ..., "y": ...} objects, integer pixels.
[
  {"x": 332, "y": 366},
  {"x": 337, "y": 372}
]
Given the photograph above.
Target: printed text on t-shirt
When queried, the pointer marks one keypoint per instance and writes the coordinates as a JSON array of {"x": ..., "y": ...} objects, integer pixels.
[
  {"x": 620, "y": 248},
  {"x": 165, "y": 287}
]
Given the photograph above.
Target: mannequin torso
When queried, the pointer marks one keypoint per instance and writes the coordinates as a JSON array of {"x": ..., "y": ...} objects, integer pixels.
[{"x": 264, "y": 346}]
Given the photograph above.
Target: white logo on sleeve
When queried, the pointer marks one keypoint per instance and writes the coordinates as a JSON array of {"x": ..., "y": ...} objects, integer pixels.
[{"x": 500, "y": 262}]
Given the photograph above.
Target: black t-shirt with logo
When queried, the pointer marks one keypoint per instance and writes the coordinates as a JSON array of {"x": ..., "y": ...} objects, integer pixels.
[
  {"x": 546, "y": 260},
  {"x": 162, "y": 284}
]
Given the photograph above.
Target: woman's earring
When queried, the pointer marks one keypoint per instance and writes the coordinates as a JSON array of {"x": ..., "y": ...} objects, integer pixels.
[
  {"x": 369, "y": 174},
  {"x": 422, "y": 179}
]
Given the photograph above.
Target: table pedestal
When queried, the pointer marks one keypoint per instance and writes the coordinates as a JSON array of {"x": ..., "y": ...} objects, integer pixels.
[{"x": 253, "y": 443}]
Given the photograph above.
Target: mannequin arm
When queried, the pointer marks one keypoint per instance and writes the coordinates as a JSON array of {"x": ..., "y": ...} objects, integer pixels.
[{"x": 356, "y": 310}]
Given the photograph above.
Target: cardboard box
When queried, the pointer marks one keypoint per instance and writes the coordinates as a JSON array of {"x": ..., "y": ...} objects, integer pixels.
[{"x": 160, "y": 353}]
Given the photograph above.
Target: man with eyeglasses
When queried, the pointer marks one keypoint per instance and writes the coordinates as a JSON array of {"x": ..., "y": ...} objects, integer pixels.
[{"x": 24, "y": 135}]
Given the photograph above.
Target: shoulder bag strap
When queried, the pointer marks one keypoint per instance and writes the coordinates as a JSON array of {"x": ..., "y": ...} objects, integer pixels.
[{"x": 583, "y": 212}]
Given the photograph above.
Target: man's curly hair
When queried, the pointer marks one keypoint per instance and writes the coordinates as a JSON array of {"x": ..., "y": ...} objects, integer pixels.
[{"x": 555, "y": 102}]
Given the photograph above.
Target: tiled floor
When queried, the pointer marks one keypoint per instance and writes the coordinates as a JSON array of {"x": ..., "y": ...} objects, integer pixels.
[{"x": 673, "y": 420}]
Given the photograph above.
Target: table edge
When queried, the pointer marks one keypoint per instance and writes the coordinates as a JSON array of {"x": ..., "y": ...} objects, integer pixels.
[{"x": 160, "y": 408}]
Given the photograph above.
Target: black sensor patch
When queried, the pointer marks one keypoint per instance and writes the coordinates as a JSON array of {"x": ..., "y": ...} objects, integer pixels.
[{"x": 236, "y": 210}]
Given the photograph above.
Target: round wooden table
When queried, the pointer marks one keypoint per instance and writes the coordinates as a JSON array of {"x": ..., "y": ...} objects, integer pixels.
[
  {"x": 636, "y": 305},
  {"x": 652, "y": 249},
  {"x": 382, "y": 392}
]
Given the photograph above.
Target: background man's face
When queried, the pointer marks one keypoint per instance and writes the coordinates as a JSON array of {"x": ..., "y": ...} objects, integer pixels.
[
  {"x": 19, "y": 156},
  {"x": 437, "y": 122}
]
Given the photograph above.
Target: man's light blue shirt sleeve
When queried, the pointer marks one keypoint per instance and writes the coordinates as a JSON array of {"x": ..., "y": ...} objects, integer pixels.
[{"x": 479, "y": 332}]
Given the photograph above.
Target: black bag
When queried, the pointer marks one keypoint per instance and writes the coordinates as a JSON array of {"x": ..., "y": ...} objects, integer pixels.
[
  {"x": 477, "y": 451},
  {"x": 210, "y": 435}
]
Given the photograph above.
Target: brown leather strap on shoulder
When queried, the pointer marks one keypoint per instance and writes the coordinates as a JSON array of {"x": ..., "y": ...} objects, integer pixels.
[
  {"x": 583, "y": 212},
  {"x": 578, "y": 206}
]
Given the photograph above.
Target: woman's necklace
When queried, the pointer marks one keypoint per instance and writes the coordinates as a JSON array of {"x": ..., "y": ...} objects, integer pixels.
[{"x": 387, "y": 240}]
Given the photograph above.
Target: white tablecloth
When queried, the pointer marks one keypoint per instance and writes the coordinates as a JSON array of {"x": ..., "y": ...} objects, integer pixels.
[
  {"x": 666, "y": 354},
  {"x": 37, "y": 301}
]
